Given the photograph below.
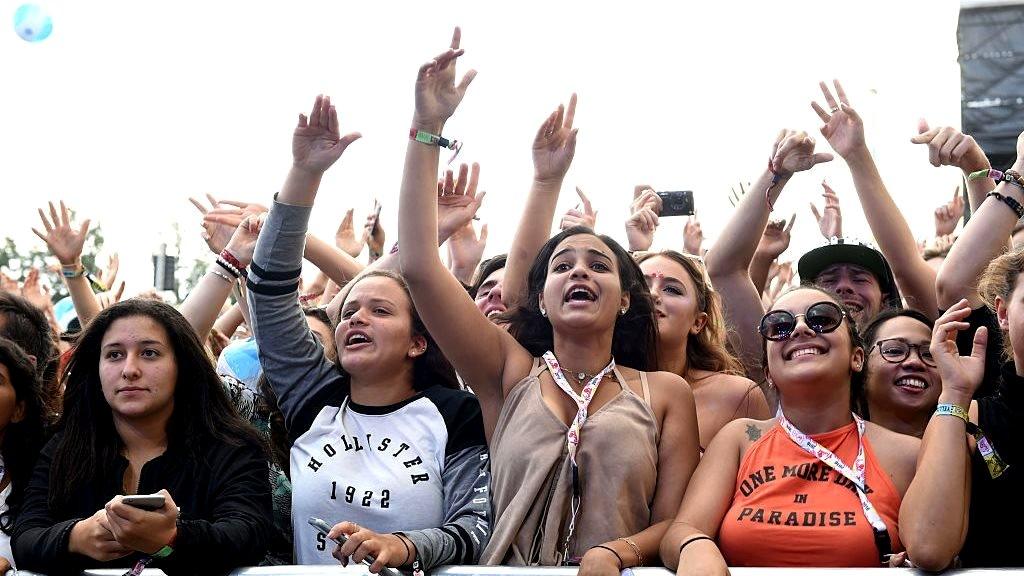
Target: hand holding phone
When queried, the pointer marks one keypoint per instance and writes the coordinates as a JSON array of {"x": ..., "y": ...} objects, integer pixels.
[
  {"x": 679, "y": 203},
  {"x": 324, "y": 528}
]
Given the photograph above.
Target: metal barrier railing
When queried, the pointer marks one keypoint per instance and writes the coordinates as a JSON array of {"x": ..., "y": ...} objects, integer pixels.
[{"x": 533, "y": 570}]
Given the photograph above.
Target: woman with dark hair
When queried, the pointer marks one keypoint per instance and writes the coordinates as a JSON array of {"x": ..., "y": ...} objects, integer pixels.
[
  {"x": 902, "y": 382},
  {"x": 567, "y": 489},
  {"x": 384, "y": 444},
  {"x": 24, "y": 414},
  {"x": 145, "y": 412},
  {"x": 692, "y": 342},
  {"x": 816, "y": 485}
]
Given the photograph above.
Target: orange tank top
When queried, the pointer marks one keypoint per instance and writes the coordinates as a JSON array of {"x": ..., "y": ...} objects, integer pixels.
[{"x": 791, "y": 510}]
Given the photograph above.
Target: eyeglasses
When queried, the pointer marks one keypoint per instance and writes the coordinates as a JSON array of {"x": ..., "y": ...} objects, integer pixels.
[
  {"x": 897, "y": 350},
  {"x": 822, "y": 317}
]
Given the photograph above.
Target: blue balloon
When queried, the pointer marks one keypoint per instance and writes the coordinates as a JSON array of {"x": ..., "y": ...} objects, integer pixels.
[{"x": 32, "y": 23}]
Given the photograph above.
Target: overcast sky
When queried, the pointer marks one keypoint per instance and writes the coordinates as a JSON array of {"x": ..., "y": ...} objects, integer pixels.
[{"x": 130, "y": 107}]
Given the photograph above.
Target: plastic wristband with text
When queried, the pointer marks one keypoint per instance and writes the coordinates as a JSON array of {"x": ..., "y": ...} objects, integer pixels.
[
  {"x": 73, "y": 270},
  {"x": 952, "y": 410}
]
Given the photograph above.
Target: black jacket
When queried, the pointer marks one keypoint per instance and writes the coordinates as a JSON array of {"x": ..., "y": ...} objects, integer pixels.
[{"x": 224, "y": 499}]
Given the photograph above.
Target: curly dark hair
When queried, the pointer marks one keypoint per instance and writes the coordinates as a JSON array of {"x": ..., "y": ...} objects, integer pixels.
[
  {"x": 24, "y": 439},
  {"x": 89, "y": 443},
  {"x": 856, "y": 341},
  {"x": 23, "y": 323},
  {"x": 634, "y": 339}
]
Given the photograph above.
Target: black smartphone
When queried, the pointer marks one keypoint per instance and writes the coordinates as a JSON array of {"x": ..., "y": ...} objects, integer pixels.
[
  {"x": 323, "y": 527},
  {"x": 678, "y": 203}
]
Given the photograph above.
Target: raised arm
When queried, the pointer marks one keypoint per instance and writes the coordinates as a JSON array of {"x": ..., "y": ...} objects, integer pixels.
[
  {"x": 291, "y": 357},
  {"x": 65, "y": 243},
  {"x": 728, "y": 261},
  {"x": 774, "y": 241},
  {"x": 934, "y": 512},
  {"x": 479, "y": 350},
  {"x": 204, "y": 303},
  {"x": 844, "y": 130},
  {"x": 553, "y": 150},
  {"x": 948, "y": 146},
  {"x": 982, "y": 239}
]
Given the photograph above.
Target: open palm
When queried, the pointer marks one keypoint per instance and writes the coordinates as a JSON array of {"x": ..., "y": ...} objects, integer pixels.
[
  {"x": 843, "y": 127},
  {"x": 555, "y": 144},
  {"x": 437, "y": 95},
  {"x": 317, "y": 142},
  {"x": 64, "y": 241}
]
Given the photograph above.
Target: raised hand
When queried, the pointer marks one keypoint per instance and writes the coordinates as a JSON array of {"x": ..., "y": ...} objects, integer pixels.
[
  {"x": 776, "y": 237},
  {"x": 437, "y": 95},
  {"x": 693, "y": 236},
  {"x": 555, "y": 144},
  {"x": 37, "y": 294},
  {"x": 961, "y": 375},
  {"x": 830, "y": 223},
  {"x": 575, "y": 217},
  {"x": 317, "y": 142},
  {"x": 374, "y": 232},
  {"x": 243, "y": 241},
  {"x": 457, "y": 200},
  {"x": 64, "y": 241},
  {"x": 109, "y": 274},
  {"x": 345, "y": 238},
  {"x": 948, "y": 146},
  {"x": 948, "y": 215},
  {"x": 794, "y": 152},
  {"x": 110, "y": 297},
  {"x": 466, "y": 249},
  {"x": 643, "y": 221},
  {"x": 843, "y": 127},
  {"x": 229, "y": 212}
]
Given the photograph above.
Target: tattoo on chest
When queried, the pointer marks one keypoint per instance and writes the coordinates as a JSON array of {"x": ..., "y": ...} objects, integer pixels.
[{"x": 753, "y": 432}]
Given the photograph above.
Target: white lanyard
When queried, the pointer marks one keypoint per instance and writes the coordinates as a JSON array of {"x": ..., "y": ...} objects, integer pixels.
[
  {"x": 582, "y": 400},
  {"x": 856, "y": 475}
]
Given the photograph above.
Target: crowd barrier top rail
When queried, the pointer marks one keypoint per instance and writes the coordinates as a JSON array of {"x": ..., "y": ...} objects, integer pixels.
[{"x": 560, "y": 571}]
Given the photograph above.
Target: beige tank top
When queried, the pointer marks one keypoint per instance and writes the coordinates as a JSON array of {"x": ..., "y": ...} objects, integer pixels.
[{"x": 531, "y": 476}]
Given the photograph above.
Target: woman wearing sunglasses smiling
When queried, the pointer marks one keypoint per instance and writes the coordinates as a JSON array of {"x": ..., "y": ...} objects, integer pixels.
[{"x": 816, "y": 485}]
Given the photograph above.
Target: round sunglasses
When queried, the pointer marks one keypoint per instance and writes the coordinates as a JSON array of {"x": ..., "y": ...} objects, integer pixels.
[
  {"x": 822, "y": 317},
  {"x": 897, "y": 350}
]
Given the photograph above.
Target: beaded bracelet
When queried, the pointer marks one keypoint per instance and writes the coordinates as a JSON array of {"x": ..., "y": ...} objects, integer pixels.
[
  {"x": 231, "y": 259},
  {"x": 226, "y": 278},
  {"x": 1009, "y": 201},
  {"x": 228, "y": 266}
]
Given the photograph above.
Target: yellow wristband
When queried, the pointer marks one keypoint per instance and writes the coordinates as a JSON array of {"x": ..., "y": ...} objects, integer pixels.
[{"x": 953, "y": 410}]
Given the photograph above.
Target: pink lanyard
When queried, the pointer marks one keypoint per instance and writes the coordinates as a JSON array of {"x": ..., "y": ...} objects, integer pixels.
[
  {"x": 855, "y": 476},
  {"x": 582, "y": 400}
]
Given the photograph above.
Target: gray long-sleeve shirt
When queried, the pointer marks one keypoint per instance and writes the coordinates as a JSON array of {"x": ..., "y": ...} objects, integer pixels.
[{"x": 419, "y": 467}]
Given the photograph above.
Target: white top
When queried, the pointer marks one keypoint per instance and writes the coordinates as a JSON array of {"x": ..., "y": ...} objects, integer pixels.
[{"x": 381, "y": 470}]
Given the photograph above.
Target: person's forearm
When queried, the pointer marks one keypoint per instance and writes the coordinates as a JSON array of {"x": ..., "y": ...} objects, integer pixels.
[
  {"x": 300, "y": 187},
  {"x": 205, "y": 301},
  {"x": 760, "y": 267},
  {"x": 229, "y": 321},
  {"x": 533, "y": 231},
  {"x": 83, "y": 299},
  {"x": 335, "y": 263},
  {"x": 648, "y": 542},
  {"x": 417, "y": 208},
  {"x": 983, "y": 239},
  {"x": 734, "y": 249},
  {"x": 934, "y": 510},
  {"x": 891, "y": 231}
]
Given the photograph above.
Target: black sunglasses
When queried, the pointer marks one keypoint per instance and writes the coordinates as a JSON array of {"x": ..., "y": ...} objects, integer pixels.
[
  {"x": 822, "y": 317},
  {"x": 897, "y": 350}
]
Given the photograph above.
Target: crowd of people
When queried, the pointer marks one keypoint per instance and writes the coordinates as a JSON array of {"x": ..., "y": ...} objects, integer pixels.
[{"x": 571, "y": 401}]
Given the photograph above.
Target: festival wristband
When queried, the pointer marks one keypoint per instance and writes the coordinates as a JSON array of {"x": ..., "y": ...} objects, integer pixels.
[
  {"x": 72, "y": 271},
  {"x": 436, "y": 140},
  {"x": 995, "y": 464},
  {"x": 952, "y": 410},
  {"x": 1011, "y": 176}
]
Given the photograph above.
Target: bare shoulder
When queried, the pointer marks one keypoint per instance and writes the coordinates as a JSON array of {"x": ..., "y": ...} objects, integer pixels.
[
  {"x": 731, "y": 393},
  {"x": 746, "y": 430},
  {"x": 897, "y": 453}
]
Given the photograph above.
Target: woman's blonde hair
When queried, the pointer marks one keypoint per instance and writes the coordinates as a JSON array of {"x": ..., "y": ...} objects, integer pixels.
[
  {"x": 708, "y": 349},
  {"x": 1000, "y": 280}
]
